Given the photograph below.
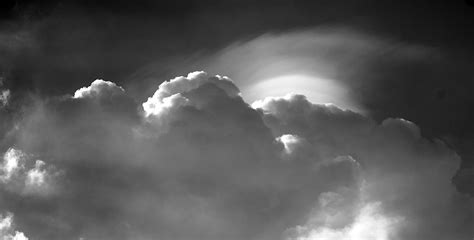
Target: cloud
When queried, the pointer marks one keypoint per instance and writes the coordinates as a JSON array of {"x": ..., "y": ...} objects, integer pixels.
[
  {"x": 377, "y": 75},
  {"x": 99, "y": 88},
  {"x": 4, "y": 94},
  {"x": 290, "y": 142},
  {"x": 345, "y": 214},
  {"x": 195, "y": 161},
  {"x": 4, "y": 97},
  {"x": 406, "y": 175},
  {"x": 6, "y": 229},
  {"x": 20, "y": 176},
  {"x": 12, "y": 163},
  {"x": 368, "y": 225},
  {"x": 327, "y": 64}
]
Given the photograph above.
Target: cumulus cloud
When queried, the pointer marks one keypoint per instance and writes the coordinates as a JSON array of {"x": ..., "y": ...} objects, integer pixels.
[
  {"x": 169, "y": 95},
  {"x": 405, "y": 174},
  {"x": 99, "y": 88},
  {"x": 18, "y": 174},
  {"x": 281, "y": 168}
]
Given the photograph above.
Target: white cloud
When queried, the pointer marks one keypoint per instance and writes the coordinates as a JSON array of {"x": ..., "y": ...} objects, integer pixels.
[
  {"x": 99, "y": 88},
  {"x": 347, "y": 214},
  {"x": 369, "y": 224},
  {"x": 12, "y": 163},
  {"x": 36, "y": 176},
  {"x": 5, "y": 222},
  {"x": 192, "y": 81},
  {"x": 17, "y": 177},
  {"x": 6, "y": 229},
  {"x": 18, "y": 236},
  {"x": 290, "y": 142},
  {"x": 170, "y": 96},
  {"x": 173, "y": 89}
]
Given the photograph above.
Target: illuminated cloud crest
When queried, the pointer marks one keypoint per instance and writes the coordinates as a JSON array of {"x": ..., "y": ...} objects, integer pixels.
[
  {"x": 171, "y": 95},
  {"x": 170, "y": 92},
  {"x": 99, "y": 88},
  {"x": 283, "y": 168}
]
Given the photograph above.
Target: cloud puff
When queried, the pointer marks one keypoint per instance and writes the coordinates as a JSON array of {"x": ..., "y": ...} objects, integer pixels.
[
  {"x": 290, "y": 142},
  {"x": 283, "y": 168},
  {"x": 6, "y": 229},
  {"x": 99, "y": 88},
  {"x": 12, "y": 163},
  {"x": 4, "y": 97},
  {"x": 19, "y": 175}
]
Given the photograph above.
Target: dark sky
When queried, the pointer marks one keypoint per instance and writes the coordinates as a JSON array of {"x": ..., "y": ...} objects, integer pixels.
[
  {"x": 411, "y": 60},
  {"x": 85, "y": 39}
]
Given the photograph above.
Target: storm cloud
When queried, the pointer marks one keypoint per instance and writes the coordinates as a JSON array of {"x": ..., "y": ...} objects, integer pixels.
[{"x": 195, "y": 161}]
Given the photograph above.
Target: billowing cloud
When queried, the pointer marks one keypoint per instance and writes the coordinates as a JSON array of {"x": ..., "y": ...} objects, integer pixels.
[
  {"x": 169, "y": 95},
  {"x": 219, "y": 168},
  {"x": 365, "y": 71},
  {"x": 19, "y": 173},
  {"x": 12, "y": 163},
  {"x": 406, "y": 176},
  {"x": 99, "y": 88}
]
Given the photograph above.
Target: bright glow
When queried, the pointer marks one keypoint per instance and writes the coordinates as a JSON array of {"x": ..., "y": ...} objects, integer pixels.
[
  {"x": 11, "y": 164},
  {"x": 5, "y": 222},
  {"x": 97, "y": 88},
  {"x": 290, "y": 142},
  {"x": 317, "y": 90},
  {"x": 370, "y": 224}
]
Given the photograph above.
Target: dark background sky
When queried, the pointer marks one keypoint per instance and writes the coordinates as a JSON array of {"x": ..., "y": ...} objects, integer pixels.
[
  {"x": 77, "y": 40},
  {"x": 55, "y": 47}
]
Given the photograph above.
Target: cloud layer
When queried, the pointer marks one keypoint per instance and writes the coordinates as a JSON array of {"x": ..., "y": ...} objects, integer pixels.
[{"x": 195, "y": 161}]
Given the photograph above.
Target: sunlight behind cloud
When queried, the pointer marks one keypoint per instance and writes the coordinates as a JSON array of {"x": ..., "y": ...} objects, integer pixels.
[{"x": 317, "y": 90}]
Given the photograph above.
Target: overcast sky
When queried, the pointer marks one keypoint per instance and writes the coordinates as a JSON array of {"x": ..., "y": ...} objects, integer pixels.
[{"x": 236, "y": 119}]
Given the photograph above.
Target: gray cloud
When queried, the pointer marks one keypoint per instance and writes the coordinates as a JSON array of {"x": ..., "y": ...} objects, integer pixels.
[
  {"x": 407, "y": 176},
  {"x": 377, "y": 75},
  {"x": 218, "y": 168}
]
